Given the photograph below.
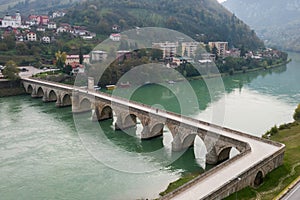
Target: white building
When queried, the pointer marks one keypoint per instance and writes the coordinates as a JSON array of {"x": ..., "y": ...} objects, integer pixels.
[
  {"x": 222, "y": 47},
  {"x": 169, "y": 49},
  {"x": 13, "y": 21},
  {"x": 115, "y": 37},
  {"x": 31, "y": 36},
  {"x": 52, "y": 25},
  {"x": 58, "y": 14},
  {"x": 75, "y": 59},
  {"x": 46, "y": 39},
  {"x": 189, "y": 48},
  {"x": 99, "y": 55}
]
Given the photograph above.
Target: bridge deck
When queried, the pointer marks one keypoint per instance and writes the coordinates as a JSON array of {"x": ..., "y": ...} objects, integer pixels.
[{"x": 260, "y": 150}]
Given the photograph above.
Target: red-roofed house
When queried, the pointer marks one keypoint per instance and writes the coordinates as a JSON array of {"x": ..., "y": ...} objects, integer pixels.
[
  {"x": 115, "y": 37},
  {"x": 75, "y": 58},
  {"x": 77, "y": 68}
]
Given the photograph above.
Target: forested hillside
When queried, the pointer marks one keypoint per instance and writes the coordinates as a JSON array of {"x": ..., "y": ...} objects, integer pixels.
[
  {"x": 276, "y": 21},
  {"x": 27, "y": 7},
  {"x": 203, "y": 20}
]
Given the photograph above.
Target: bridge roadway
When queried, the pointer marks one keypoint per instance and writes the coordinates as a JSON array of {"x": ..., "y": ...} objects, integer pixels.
[{"x": 260, "y": 149}]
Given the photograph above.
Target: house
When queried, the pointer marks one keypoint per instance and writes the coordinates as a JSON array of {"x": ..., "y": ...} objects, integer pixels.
[
  {"x": 77, "y": 68},
  {"x": 31, "y": 20},
  {"x": 51, "y": 25},
  {"x": 181, "y": 60},
  {"x": 123, "y": 54},
  {"x": 46, "y": 39},
  {"x": 208, "y": 56},
  {"x": 58, "y": 14},
  {"x": 116, "y": 37},
  {"x": 41, "y": 29},
  {"x": 61, "y": 30},
  {"x": 169, "y": 49},
  {"x": 234, "y": 52},
  {"x": 31, "y": 36},
  {"x": 75, "y": 58},
  {"x": 11, "y": 21},
  {"x": 99, "y": 56},
  {"x": 43, "y": 20}
]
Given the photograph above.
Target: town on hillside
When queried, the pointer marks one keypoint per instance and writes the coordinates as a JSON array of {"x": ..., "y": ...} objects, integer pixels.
[{"x": 43, "y": 30}]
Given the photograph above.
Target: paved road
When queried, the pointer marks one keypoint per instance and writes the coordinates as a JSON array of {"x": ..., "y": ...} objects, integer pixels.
[
  {"x": 294, "y": 194},
  {"x": 259, "y": 150},
  {"x": 32, "y": 71}
]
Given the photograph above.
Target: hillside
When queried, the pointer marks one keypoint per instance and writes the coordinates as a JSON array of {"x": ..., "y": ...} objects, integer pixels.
[
  {"x": 4, "y": 4},
  {"x": 275, "y": 21},
  {"x": 27, "y": 7},
  {"x": 203, "y": 20}
]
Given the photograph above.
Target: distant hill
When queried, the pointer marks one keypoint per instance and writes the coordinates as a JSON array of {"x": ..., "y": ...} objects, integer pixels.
[
  {"x": 27, "y": 7},
  {"x": 4, "y": 4},
  {"x": 276, "y": 21},
  {"x": 204, "y": 20}
]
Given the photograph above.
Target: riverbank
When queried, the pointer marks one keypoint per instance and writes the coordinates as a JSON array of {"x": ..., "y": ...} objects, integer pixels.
[
  {"x": 239, "y": 72},
  {"x": 10, "y": 88}
]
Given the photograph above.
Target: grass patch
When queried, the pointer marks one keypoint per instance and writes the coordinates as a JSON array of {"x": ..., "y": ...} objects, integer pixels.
[
  {"x": 247, "y": 193},
  {"x": 178, "y": 183}
]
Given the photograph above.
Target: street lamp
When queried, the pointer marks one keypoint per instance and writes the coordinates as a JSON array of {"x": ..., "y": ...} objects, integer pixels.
[{"x": 238, "y": 180}]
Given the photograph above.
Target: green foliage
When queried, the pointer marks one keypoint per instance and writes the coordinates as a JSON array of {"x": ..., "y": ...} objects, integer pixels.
[
  {"x": 11, "y": 70},
  {"x": 178, "y": 183},
  {"x": 205, "y": 18},
  {"x": 8, "y": 43},
  {"x": 60, "y": 59},
  {"x": 297, "y": 113},
  {"x": 67, "y": 69},
  {"x": 274, "y": 130}
]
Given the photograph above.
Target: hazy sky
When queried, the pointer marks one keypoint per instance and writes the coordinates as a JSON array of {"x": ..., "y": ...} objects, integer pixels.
[{"x": 221, "y": 1}]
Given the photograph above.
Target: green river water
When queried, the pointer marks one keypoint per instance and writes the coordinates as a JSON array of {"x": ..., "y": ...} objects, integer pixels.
[{"x": 42, "y": 155}]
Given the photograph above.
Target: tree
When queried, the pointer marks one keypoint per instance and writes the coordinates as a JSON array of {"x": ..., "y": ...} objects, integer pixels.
[
  {"x": 22, "y": 49},
  {"x": 80, "y": 56},
  {"x": 61, "y": 58},
  {"x": 11, "y": 70},
  {"x": 297, "y": 113},
  {"x": 215, "y": 51}
]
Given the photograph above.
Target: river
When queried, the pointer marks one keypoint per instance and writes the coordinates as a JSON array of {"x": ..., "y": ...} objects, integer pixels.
[{"x": 42, "y": 155}]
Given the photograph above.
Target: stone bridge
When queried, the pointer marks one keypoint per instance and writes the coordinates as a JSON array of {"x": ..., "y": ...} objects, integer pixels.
[{"x": 257, "y": 157}]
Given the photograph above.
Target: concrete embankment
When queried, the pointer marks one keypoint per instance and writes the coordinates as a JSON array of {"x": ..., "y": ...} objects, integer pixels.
[{"x": 10, "y": 88}]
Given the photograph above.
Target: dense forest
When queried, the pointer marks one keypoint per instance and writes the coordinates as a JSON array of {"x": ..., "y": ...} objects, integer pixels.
[{"x": 203, "y": 20}]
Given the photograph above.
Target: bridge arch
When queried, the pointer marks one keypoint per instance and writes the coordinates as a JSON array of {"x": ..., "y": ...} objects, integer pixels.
[
  {"x": 130, "y": 120},
  {"x": 258, "y": 180},
  {"x": 66, "y": 100},
  {"x": 40, "y": 92},
  {"x": 29, "y": 89},
  {"x": 85, "y": 105},
  {"x": 105, "y": 113},
  {"x": 157, "y": 129},
  {"x": 52, "y": 96},
  {"x": 224, "y": 154}
]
